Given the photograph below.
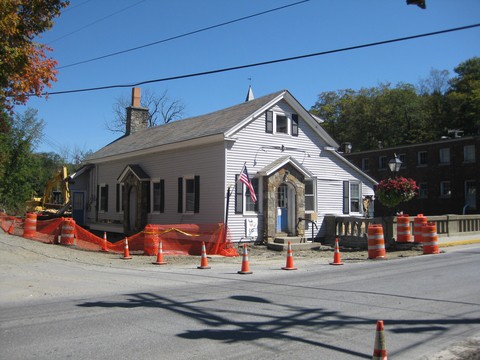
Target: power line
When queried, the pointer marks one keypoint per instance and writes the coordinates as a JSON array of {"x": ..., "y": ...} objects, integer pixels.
[
  {"x": 179, "y": 36},
  {"x": 210, "y": 72},
  {"x": 95, "y": 22}
]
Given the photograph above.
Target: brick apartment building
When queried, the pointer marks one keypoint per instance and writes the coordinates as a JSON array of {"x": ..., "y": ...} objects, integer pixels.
[{"x": 447, "y": 172}]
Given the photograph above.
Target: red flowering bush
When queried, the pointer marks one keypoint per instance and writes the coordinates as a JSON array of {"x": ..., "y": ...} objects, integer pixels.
[{"x": 392, "y": 192}]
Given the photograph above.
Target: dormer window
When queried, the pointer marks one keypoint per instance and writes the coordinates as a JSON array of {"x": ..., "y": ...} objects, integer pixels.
[{"x": 281, "y": 123}]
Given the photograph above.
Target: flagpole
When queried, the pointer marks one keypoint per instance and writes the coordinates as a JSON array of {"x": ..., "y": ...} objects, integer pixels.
[{"x": 226, "y": 216}]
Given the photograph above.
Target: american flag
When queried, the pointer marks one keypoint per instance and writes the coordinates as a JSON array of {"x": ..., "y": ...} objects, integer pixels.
[{"x": 246, "y": 180}]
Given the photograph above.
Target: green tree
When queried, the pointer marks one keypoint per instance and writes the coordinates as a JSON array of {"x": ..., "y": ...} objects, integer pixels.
[
  {"x": 464, "y": 97},
  {"x": 18, "y": 173}
]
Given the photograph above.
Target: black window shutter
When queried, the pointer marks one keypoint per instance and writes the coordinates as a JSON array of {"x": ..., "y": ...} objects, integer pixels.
[
  {"x": 269, "y": 122},
  {"x": 180, "y": 195},
  {"x": 294, "y": 124},
  {"x": 196, "y": 208},
  {"x": 238, "y": 196},
  {"x": 98, "y": 198},
  {"x": 346, "y": 197},
  {"x": 162, "y": 196},
  {"x": 117, "y": 200},
  {"x": 106, "y": 198}
]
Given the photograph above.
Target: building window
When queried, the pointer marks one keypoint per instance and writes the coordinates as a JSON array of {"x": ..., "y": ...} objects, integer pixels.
[
  {"x": 103, "y": 196},
  {"x": 242, "y": 196},
  {"x": 471, "y": 194},
  {"x": 422, "y": 158},
  {"x": 189, "y": 194},
  {"x": 365, "y": 164},
  {"x": 351, "y": 197},
  {"x": 310, "y": 195},
  {"x": 158, "y": 196},
  {"x": 444, "y": 156},
  {"x": 469, "y": 153},
  {"x": 422, "y": 190},
  {"x": 119, "y": 197},
  {"x": 281, "y": 123},
  {"x": 445, "y": 189},
  {"x": 382, "y": 162}
]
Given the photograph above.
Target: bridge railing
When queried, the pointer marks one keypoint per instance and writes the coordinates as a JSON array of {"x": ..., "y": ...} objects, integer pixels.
[{"x": 353, "y": 231}]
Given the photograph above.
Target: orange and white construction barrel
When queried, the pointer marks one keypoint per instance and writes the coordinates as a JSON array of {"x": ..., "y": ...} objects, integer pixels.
[
  {"x": 67, "y": 236},
  {"x": 150, "y": 243},
  {"x": 430, "y": 239},
  {"x": 404, "y": 230},
  {"x": 30, "y": 225},
  {"x": 418, "y": 222},
  {"x": 376, "y": 242}
]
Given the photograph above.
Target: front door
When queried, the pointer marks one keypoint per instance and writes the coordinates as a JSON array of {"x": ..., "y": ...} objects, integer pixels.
[
  {"x": 78, "y": 207},
  {"x": 282, "y": 208}
]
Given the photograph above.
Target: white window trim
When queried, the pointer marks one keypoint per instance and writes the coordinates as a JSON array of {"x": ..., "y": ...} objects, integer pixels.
[
  {"x": 360, "y": 205},
  {"x": 289, "y": 123},
  {"x": 314, "y": 182}
]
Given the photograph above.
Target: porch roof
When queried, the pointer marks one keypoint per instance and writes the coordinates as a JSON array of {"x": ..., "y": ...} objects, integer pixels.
[{"x": 282, "y": 161}]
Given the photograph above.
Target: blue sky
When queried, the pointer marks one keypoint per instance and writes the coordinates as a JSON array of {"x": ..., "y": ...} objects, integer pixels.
[{"x": 93, "y": 28}]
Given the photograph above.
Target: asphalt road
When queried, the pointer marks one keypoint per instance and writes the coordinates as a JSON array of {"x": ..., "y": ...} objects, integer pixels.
[{"x": 320, "y": 311}]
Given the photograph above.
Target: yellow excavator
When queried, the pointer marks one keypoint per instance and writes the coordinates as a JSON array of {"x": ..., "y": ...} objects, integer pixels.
[{"x": 56, "y": 195}]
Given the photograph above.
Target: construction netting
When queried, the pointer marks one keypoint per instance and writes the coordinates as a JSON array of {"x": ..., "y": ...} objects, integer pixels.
[{"x": 176, "y": 239}]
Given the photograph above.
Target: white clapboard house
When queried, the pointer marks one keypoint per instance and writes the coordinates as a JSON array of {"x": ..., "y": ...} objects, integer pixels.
[{"x": 186, "y": 171}]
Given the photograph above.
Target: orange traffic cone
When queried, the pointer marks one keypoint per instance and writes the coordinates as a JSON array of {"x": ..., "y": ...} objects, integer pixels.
[
  {"x": 336, "y": 254},
  {"x": 126, "y": 252},
  {"x": 379, "y": 351},
  {"x": 104, "y": 244},
  {"x": 289, "y": 265},
  {"x": 245, "y": 264},
  {"x": 204, "y": 260},
  {"x": 159, "y": 255}
]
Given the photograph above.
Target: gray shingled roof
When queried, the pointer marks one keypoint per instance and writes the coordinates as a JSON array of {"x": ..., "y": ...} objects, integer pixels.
[{"x": 192, "y": 128}]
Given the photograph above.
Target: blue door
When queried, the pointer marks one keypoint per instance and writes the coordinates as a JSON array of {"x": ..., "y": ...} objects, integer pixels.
[
  {"x": 78, "y": 207},
  {"x": 282, "y": 208}
]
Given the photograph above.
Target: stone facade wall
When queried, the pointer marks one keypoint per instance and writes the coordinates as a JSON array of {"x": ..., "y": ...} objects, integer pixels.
[
  {"x": 137, "y": 119},
  {"x": 287, "y": 175}
]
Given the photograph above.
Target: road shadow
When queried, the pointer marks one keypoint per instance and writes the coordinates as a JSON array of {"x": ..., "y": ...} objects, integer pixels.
[{"x": 228, "y": 327}]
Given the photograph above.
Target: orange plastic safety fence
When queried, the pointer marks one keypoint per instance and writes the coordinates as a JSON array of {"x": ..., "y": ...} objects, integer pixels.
[{"x": 177, "y": 239}]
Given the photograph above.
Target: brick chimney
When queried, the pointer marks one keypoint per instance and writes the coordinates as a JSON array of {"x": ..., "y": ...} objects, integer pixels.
[{"x": 137, "y": 116}]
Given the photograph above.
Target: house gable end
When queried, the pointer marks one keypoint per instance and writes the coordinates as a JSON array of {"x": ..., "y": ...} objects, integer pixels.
[{"x": 136, "y": 171}]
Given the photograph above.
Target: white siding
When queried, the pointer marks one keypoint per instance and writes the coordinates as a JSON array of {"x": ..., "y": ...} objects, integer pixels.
[
  {"x": 326, "y": 167},
  {"x": 205, "y": 161}
]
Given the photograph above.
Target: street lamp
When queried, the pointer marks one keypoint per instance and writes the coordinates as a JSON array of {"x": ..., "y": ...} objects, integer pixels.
[{"x": 394, "y": 165}]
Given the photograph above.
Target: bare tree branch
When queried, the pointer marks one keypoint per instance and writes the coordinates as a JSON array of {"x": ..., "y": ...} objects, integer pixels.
[{"x": 161, "y": 109}]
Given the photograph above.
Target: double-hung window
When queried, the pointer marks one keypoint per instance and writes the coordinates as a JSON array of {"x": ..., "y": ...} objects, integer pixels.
[
  {"x": 243, "y": 200},
  {"x": 310, "y": 191},
  {"x": 281, "y": 123},
  {"x": 352, "y": 194},
  {"x": 189, "y": 194}
]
